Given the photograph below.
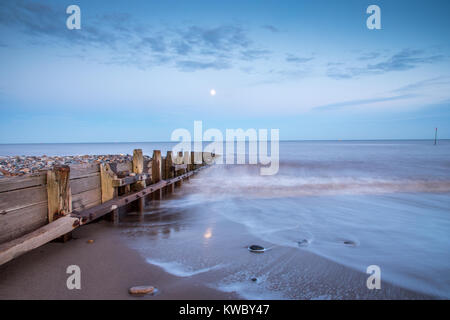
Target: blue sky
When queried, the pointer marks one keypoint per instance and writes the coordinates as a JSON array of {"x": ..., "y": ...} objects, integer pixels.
[{"x": 137, "y": 70}]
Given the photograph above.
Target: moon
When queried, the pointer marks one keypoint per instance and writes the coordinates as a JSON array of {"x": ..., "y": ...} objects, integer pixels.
[{"x": 212, "y": 92}]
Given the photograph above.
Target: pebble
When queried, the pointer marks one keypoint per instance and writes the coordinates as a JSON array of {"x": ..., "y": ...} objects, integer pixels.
[
  {"x": 256, "y": 248},
  {"x": 350, "y": 243},
  {"x": 21, "y": 165},
  {"x": 141, "y": 290},
  {"x": 90, "y": 241}
]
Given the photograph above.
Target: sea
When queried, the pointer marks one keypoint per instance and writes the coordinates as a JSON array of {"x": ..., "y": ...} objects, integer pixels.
[{"x": 356, "y": 203}]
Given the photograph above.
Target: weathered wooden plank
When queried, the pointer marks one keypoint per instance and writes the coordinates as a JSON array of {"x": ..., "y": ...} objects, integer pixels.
[
  {"x": 107, "y": 180},
  {"x": 22, "y": 198},
  {"x": 119, "y": 182},
  {"x": 19, "y": 222},
  {"x": 21, "y": 182},
  {"x": 85, "y": 184},
  {"x": 138, "y": 161},
  {"x": 87, "y": 205},
  {"x": 47, "y": 233},
  {"x": 122, "y": 166},
  {"x": 178, "y": 167},
  {"x": 148, "y": 166},
  {"x": 82, "y": 170},
  {"x": 58, "y": 192},
  {"x": 86, "y": 199}
]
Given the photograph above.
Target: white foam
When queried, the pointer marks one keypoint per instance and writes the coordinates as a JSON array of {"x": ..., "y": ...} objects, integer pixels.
[
  {"x": 250, "y": 291},
  {"x": 179, "y": 269}
]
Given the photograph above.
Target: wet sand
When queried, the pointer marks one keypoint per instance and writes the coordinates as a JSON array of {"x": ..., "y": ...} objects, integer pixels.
[
  {"x": 110, "y": 266},
  {"x": 108, "y": 270}
]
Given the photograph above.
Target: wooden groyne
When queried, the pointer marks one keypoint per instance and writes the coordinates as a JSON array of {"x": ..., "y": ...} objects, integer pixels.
[{"x": 38, "y": 208}]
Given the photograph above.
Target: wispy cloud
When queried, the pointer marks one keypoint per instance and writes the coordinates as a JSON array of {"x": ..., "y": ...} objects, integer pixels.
[
  {"x": 432, "y": 82},
  {"x": 187, "y": 48},
  {"x": 271, "y": 28},
  {"x": 369, "y": 56},
  {"x": 295, "y": 59},
  {"x": 190, "y": 66},
  {"x": 254, "y": 54},
  {"x": 405, "y": 59},
  {"x": 360, "y": 102}
]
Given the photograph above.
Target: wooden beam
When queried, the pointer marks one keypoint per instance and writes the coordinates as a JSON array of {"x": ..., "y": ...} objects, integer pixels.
[
  {"x": 37, "y": 238},
  {"x": 120, "y": 182},
  {"x": 187, "y": 160},
  {"x": 58, "y": 192},
  {"x": 192, "y": 161},
  {"x": 21, "y": 182},
  {"x": 156, "y": 166},
  {"x": 102, "y": 209},
  {"x": 105, "y": 208},
  {"x": 138, "y": 168},
  {"x": 164, "y": 168},
  {"x": 107, "y": 177},
  {"x": 169, "y": 164}
]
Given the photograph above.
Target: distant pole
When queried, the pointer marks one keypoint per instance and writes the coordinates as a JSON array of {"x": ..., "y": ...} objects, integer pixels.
[{"x": 435, "y": 137}]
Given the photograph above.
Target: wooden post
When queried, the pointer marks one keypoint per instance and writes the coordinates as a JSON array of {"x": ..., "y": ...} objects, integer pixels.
[
  {"x": 108, "y": 191},
  {"x": 140, "y": 205},
  {"x": 186, "y": 160},
  {"x": 138, "y": 168},
  {"x": 171, "y": 187},
  {"x": 156, "y": 166},
  {"x": 58, "y": 192},
  {"x": 169, "y": 163},
  {"x": 59, "y": 196},
  {"x": 156, "y": 172},
  {"x": 107, "y": 176},
  {"x": 192, "y": 163}
]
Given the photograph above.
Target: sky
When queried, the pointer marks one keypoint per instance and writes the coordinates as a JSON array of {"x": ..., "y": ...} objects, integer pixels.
[{"x": 137, "y": 70}]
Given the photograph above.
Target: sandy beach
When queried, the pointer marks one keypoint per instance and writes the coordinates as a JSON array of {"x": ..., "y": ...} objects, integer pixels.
[
  {"x": 112, "y": 264},
  {"x": 108, "y": 270}
]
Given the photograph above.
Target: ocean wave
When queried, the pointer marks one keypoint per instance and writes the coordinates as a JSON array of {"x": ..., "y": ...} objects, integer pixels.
[{"x": 181, "y": 270}]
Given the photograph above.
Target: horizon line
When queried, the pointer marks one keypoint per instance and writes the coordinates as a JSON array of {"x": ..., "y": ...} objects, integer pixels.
[{"x": 288, "y": 140}]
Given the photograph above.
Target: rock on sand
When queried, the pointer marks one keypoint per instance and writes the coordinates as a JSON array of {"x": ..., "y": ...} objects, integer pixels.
[{"x": 142, "y": 290}]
